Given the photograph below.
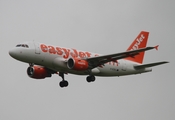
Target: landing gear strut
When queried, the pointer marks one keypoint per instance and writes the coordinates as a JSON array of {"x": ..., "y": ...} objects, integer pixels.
[
  {"x": 90, "y": 78},
  {"x": 63, "y": 83}
]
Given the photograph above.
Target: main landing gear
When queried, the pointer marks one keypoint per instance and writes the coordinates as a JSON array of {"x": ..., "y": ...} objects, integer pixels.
[
  {"x": 90, "y": 78},
  {"x": 64, "y": 83}
]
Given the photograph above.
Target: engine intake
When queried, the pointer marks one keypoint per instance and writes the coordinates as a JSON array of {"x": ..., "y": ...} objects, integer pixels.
[
  {"x": 77, "y": 64},
  {"x": 38, "y": 72}
]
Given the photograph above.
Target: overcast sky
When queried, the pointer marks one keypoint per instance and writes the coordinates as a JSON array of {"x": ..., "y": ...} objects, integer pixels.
[{"x": 100, "y": 26}]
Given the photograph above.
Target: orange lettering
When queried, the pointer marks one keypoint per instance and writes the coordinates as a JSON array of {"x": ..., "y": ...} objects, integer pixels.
[
  {"x": 116, "y": 63},
  {"x": 113, "y": 63},
  {"x": 75, "y": 54},
  {"x": 88, "y": 54},
  {"x": 66, "y": 51},
  {"x": 59, "y": 51},
  {"x": 43, "y": 48},
  {"x": 51, "y": 50},
  {"x": 82, "y": 55}
]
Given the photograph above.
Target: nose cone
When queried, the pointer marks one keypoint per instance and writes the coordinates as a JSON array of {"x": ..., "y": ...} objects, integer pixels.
[
  {"x": 15, "y": 53},
  {"x": 12, "y": 53}
]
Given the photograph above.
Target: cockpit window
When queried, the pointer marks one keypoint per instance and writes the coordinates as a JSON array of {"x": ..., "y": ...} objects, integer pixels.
[
  {"x": 22, "y": 45},
  {"x": 18, "y": 45},
  {"x": 26, "y": 46}
]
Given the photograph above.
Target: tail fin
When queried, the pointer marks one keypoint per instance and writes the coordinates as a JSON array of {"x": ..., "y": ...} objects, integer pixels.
[{"x": 139, "y": 42}]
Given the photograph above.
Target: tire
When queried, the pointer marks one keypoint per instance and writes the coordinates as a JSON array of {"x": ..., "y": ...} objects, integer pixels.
[
  {"x": 61, "y": 84},
  {"x": 88, "y": 79}
]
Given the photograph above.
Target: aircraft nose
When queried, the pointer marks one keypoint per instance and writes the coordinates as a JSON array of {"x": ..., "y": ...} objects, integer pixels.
[{"x": 12, "y": 53}]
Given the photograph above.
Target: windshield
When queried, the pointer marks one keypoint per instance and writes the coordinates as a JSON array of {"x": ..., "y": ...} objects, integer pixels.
[{"x": 22, "y": 45}]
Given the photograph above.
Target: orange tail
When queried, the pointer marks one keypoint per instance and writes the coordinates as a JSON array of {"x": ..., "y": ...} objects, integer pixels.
[{"x": 139, "y": 42}]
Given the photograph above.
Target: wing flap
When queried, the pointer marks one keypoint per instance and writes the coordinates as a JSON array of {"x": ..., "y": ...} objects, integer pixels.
[{"x": 149, "y": 65}]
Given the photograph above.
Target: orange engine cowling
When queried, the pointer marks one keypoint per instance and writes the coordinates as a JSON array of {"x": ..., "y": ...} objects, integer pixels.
[
  {"x": 77, "y": 64},
  {"x": 38, "y": 72}
]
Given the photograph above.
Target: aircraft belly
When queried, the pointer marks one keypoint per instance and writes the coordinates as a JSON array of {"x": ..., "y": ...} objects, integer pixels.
[{"x": 109, "y": 70}]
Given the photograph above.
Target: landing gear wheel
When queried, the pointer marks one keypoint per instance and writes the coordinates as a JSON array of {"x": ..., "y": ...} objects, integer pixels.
[
  {"x": 63, "y": 83},
  {"x": 90, "y": 78},
  {"x": 66, "y": 83}
]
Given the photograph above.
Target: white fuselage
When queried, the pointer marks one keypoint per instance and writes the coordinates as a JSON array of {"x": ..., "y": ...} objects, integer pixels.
[{"x": 55, "y": 58}]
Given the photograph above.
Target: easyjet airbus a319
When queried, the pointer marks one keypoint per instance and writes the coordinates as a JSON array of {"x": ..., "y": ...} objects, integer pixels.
[{"x": 45, "y": 60}]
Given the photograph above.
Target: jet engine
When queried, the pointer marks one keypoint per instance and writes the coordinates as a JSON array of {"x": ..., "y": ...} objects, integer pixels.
[
  {"x": 77, "y": 64},
  {"x": 38, "y": 72}
]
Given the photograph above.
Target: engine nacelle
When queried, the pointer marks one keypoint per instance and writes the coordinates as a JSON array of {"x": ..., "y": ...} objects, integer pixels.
[
  {"x": 38, "y": 72},
  {"x": 77, "y": 64}
]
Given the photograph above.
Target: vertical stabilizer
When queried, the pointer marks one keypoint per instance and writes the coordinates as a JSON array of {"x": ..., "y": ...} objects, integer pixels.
[{"x": 139, "y": 42}]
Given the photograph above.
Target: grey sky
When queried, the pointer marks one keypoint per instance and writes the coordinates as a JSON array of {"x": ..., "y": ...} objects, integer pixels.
[{"x": 101, "y": 26}]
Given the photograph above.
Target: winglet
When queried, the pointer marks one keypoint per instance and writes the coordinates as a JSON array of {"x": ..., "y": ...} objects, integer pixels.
[{"x": 156, "y": 47}]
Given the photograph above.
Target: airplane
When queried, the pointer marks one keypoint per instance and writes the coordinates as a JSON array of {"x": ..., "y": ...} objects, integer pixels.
[{"x": 45, "y": 60}]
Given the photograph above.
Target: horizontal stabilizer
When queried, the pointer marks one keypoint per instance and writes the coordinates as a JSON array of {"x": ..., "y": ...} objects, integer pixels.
[{"x": 149, "y": 65}]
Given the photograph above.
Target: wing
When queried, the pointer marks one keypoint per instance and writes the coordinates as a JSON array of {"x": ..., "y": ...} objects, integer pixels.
[{"x": 101, "y": 60}]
